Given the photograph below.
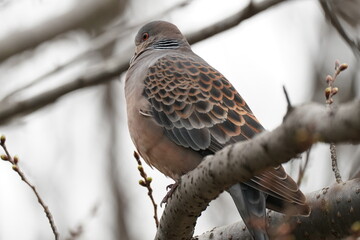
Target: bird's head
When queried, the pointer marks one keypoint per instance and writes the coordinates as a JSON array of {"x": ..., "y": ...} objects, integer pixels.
[{"x": 158, "y": 35}]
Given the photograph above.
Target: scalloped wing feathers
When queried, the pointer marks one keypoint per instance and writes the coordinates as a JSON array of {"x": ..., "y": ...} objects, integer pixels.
[{"x": 197, "y": 106}]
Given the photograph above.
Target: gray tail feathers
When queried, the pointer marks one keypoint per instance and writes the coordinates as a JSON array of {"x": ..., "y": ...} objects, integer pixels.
[{"x": 251, "y": 204}]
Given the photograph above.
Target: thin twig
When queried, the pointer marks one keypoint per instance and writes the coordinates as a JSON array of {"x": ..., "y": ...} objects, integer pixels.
[
  {"x": 303, "y": 168},
  {"x": 145, "y": 182},
  {"x": 330, "y": 91},
  {"x": 14, "y": 161},
  {"x": 289, "y": 106}
]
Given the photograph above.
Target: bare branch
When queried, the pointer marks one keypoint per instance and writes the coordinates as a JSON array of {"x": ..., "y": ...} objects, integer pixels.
[
  {"x": 14, "y": 161},
  {"x": 89, "y": 15},
  {"x": 99, "y": 74},
  {"x": 329, "y": 207},
  {"x": 98, "y": 44},
  {"x": 146, "y": 182},
  {"x": 304, "y": 126}
]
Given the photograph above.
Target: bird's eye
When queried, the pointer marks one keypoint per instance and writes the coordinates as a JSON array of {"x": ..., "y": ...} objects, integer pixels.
[{"x": 145, "y": 36}]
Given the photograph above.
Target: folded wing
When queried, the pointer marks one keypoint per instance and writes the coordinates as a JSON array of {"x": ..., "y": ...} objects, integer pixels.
[{"x": 198, "y": 108}]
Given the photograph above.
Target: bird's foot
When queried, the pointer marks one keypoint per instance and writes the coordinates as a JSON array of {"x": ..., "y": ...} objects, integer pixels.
[{"x": 171, "y": 189}]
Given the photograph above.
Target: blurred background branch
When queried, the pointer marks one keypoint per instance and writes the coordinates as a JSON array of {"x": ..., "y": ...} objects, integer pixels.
[
  {"x": 247, "y": 12},
  {"x": 334, "y": 9},
  {"x": 103, "y": 43},
  {"x": 88, "y": 15}
]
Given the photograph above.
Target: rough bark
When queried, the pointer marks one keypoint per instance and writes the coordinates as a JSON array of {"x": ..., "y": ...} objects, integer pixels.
[{"x": 335, "y": 209}]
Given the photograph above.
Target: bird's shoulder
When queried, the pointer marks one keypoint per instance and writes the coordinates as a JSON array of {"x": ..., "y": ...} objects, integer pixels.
[{"x": 187, "y": 77}]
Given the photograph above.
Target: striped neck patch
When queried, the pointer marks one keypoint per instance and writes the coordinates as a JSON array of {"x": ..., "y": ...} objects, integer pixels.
[{"x": 166, "y": 44}]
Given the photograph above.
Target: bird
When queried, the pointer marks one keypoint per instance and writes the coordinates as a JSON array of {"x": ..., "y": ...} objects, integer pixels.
[{"x": 180, "y": 109}]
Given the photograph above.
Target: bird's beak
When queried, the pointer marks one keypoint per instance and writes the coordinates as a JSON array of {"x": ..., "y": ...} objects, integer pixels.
[
  {"x": 138, "y": 50},
  {"x": 133, "y": 58}
]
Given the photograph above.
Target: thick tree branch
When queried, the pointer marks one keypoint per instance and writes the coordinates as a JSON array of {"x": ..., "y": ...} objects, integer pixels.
[
  {"x": 304, "y": 126},
  {"x": 114, "y": 67},
  {"x": 334, "y": 211}
]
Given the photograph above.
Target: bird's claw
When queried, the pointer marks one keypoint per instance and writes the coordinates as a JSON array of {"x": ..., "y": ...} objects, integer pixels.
[{"x": 171, "y": 189}]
